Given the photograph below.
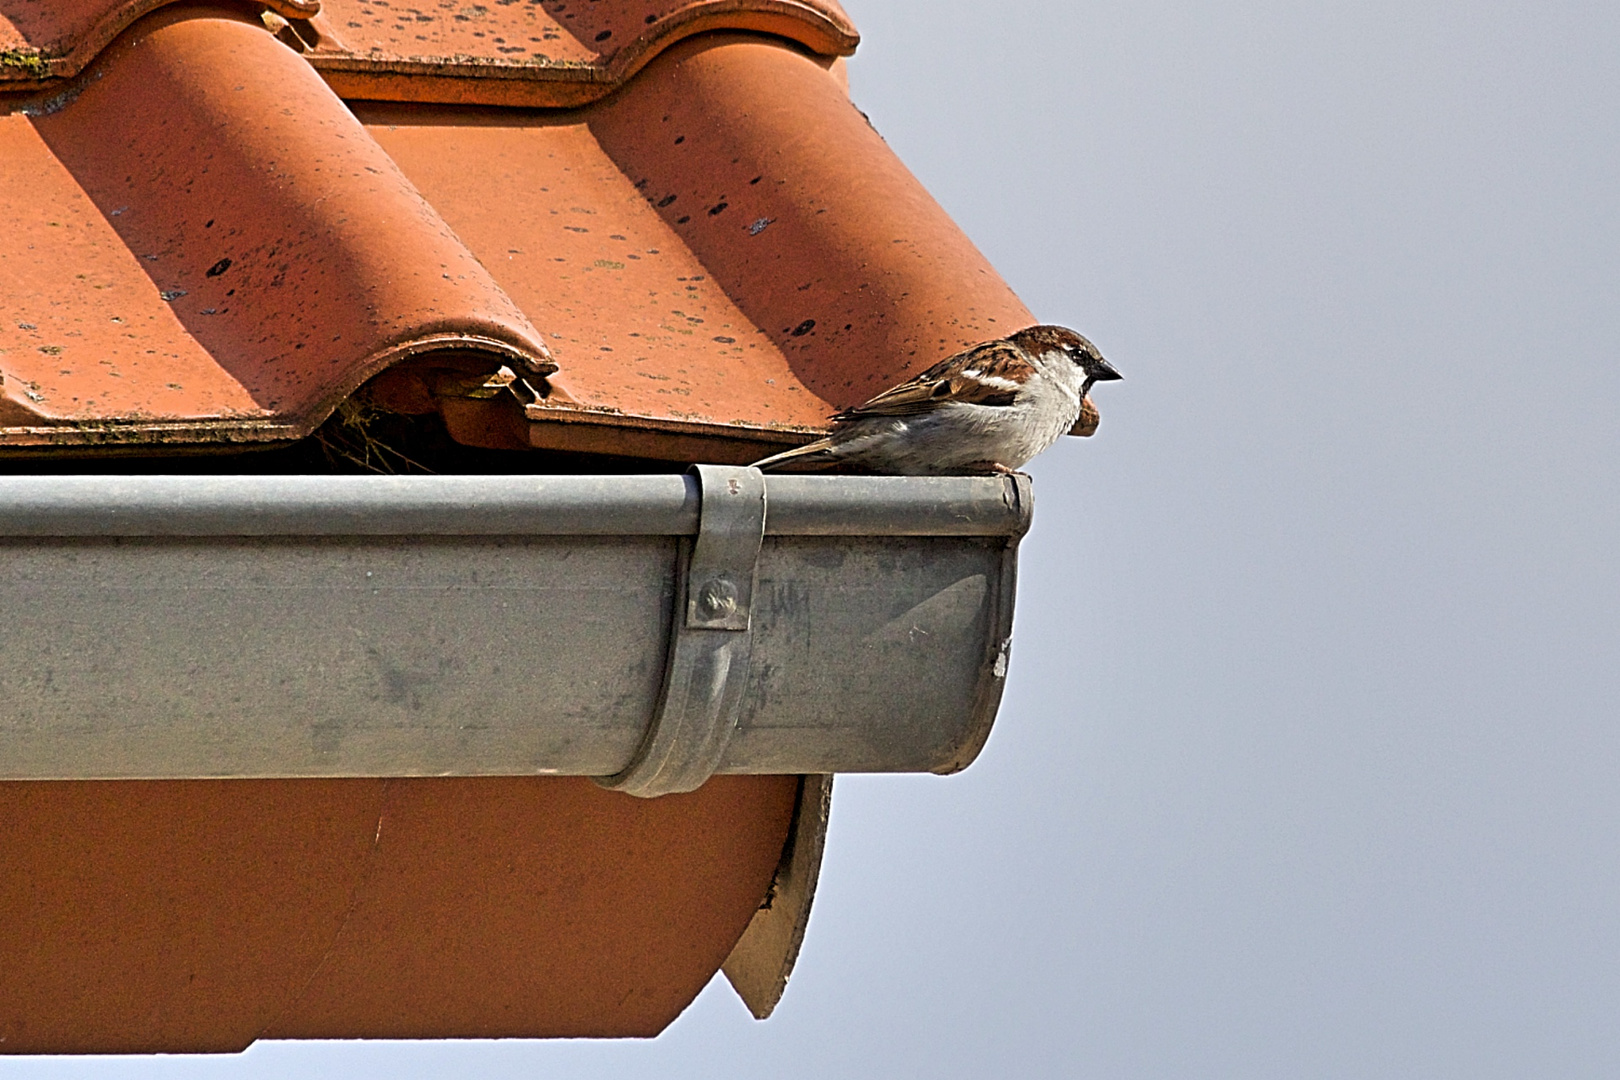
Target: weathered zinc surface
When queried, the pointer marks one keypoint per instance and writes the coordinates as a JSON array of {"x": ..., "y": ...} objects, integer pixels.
[
  {"x": 280, "y": 626},
  {"x": 201, "y": 243}
]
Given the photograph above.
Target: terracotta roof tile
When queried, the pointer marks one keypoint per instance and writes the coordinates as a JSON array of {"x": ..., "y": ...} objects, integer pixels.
[
  {"x": 492, "y": 53},
  {"x": 531, "y": 54},
  {"x": 203, "y": 245},
  {"x": 194, "y": 254},
  {"x": 706, "y": 266},
  {"x": 42, "y": 40}
]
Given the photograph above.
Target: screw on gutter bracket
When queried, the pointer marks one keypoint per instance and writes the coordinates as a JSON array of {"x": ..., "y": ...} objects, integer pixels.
[
  {"x": 717, "y": 598},
  {"x": 721, "y": 570}
]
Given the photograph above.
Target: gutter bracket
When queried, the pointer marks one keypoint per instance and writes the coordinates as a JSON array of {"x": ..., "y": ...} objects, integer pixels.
[{"x": 710, "y": 639}]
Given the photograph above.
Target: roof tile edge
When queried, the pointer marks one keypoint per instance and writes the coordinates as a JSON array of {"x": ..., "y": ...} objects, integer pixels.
[
  {"x": 498, "y": 81},
  {"x": 37, "y": 67},
  {"x": 460, "y": 79}
]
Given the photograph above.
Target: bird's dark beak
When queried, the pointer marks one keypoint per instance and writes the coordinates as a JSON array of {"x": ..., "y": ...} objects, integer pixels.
[{"x": 1101, "y": 370}]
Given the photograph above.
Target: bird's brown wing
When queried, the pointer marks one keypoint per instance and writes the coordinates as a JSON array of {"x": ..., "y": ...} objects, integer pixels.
[{"x": 988, "y": 374}]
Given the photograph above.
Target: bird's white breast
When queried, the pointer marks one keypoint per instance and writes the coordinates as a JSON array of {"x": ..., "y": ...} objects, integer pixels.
[{"x": 1046, "y": 409}]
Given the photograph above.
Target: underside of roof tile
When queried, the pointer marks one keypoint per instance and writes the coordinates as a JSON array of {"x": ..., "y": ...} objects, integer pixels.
[{"x": 195, "y": 916}]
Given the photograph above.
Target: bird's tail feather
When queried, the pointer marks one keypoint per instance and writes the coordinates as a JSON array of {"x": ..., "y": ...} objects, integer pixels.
[{"x": 820, "y": 446}]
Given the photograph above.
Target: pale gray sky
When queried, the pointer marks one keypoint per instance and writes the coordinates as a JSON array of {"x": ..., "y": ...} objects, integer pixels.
[{"x": 1310, "y": 761}]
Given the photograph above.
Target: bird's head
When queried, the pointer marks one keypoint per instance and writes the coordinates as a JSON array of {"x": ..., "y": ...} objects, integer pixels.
[{"x": 1045, "y": 340}]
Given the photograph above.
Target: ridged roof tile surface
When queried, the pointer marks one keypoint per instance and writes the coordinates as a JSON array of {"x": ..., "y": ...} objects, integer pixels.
[{"x": 204, "y": 245}]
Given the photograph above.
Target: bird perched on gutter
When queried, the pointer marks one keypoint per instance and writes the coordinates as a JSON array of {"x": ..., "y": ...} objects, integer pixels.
[{"x": 987, "y": 409}]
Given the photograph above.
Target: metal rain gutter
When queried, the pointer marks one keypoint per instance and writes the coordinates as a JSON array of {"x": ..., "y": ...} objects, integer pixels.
[{"x": 646, "y": 630}]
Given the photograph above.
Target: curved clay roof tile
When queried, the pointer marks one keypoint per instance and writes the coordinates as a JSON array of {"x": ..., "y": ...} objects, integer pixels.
[
  {"x": 231, "y": 255},
  {"x": 203, "y": 244},
  {"x": 555, "y": 54},
  {"x": 41, "y": 40}
]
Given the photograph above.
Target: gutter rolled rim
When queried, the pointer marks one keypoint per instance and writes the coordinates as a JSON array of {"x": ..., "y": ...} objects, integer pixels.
[{"x": 242, "y": 506}]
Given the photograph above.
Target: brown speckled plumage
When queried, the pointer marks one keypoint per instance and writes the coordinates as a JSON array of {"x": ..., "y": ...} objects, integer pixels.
[{"x": 988, "y": 408}]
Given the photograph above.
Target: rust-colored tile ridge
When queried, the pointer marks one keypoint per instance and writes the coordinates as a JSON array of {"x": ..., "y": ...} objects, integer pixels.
[
  {"x": 201, "y": 244},
  {"x": 557, "y": 54},
  {"x": 41, "y": 40}
]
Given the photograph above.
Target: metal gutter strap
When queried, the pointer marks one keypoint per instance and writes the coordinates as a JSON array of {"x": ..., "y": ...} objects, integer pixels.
[{"x": 710, "y": 646}]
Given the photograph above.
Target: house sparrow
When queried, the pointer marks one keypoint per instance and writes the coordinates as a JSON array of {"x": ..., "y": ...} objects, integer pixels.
[{"x": 987, "y": 409}]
